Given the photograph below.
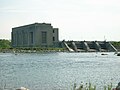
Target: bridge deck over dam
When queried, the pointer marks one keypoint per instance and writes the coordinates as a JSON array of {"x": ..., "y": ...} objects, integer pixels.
[{"x": 89, "y": 46}]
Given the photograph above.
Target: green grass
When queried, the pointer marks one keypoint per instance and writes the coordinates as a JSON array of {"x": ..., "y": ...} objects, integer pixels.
[{"x": 89, "y": 86}]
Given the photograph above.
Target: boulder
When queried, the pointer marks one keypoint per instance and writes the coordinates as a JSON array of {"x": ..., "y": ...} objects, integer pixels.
[{"x": 118, "y": 54}]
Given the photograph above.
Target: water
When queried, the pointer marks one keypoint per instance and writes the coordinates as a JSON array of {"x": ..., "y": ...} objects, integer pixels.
[{"x": 57, "y": 71}]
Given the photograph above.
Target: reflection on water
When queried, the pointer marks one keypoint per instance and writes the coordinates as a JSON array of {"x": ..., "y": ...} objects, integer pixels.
[{"x": 57, "y": 71}]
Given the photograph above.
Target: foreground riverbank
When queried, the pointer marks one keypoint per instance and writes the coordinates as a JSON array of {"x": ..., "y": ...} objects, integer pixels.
[{"x": 86, "y": 86}]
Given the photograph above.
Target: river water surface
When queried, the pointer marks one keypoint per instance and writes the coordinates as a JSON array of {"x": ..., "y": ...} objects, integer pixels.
[{"x": 57, "y": 71}]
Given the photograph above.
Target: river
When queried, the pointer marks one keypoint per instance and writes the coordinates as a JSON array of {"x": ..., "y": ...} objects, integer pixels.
[{"x": 57, "y": 71}]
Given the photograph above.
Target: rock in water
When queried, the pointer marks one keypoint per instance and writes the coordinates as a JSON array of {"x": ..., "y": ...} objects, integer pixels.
[{"x": 118, "y": 54}]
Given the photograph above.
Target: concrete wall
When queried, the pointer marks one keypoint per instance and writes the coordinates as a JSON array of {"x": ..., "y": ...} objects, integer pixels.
[
  {"x": 34, "y": 35},
  {"x": 90, "y": 46}
]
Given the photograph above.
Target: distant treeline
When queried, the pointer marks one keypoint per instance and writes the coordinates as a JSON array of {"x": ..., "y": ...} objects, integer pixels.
[
  {"x": 5, "y": 44},
  {"x": 116, "y": 44}
]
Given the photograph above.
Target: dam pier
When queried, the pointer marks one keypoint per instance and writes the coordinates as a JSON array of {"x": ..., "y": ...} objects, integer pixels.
[{"x": 89, "y": 46}]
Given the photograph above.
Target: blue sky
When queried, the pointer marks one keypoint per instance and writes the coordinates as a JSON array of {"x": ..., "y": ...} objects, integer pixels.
[{"x": 76, "y": 19}]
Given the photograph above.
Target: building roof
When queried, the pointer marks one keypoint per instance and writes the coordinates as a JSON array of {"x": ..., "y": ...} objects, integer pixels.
[{"x": 34, "y": 24}]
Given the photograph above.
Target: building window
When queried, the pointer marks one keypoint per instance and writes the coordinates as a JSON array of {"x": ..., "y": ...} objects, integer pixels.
[
  {"x": 53, "y": 38},
  {"x": 25, "y": 38},
  {"x": 53, "y": 31},
  {"x": 44, "y": 37},
  {"x": 31, "y": 37}
]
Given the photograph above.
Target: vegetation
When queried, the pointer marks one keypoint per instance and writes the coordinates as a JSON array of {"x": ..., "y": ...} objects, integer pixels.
[
  {"x": 116, "y": 45},
  {"x": 5, "y": 44},
  {"x": 91, "y": 87}
]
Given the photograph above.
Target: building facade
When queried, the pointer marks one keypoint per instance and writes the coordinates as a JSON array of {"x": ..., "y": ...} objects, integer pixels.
[{"x": 35, "y": 35}]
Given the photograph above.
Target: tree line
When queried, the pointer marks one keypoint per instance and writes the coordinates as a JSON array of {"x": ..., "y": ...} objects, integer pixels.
[
  {"x": 5, "y": 44},
  {"x": 116, "y": 44}
]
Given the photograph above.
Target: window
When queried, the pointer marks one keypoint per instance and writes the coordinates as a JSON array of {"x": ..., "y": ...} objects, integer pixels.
[
  {"x": 31, "y": 37},
  {"x": 44, "y": 37},
  {"x": 53, "y": 31},
  {"x": 53, "y": 38}
]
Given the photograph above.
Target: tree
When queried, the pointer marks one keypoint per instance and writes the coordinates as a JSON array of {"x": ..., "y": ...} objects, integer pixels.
[{"x": 5, "y": 44}]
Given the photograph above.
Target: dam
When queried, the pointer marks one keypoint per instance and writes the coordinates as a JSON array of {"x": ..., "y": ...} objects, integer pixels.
[
  {"x": 44, "y": 35},
  {"x": 88, "y": 46}
]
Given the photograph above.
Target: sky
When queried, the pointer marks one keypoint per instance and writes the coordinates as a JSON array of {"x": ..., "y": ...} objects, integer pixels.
[{"x": 76, "y": 19}]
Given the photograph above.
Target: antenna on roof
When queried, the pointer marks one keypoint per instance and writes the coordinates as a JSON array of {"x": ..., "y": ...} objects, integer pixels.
[{"x": 104, "y": 38}]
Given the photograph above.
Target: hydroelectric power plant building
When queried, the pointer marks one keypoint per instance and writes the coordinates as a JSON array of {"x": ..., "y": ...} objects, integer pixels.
[
  {"x": 44, "y": 35},
  {"x": 35, "y": 35}
]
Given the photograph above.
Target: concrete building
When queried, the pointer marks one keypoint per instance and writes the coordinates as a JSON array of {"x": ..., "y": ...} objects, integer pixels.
[{"x": 35, "y": 35}]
